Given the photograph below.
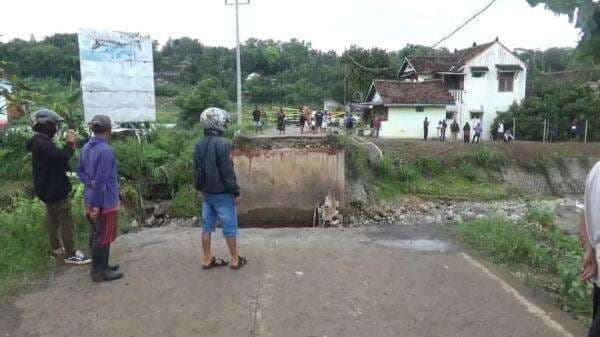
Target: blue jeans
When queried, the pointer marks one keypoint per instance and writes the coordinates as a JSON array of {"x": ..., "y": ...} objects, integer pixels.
[{"x": 219, "y": 206}]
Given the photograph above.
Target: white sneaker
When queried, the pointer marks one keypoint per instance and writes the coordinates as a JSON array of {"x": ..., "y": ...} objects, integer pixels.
[{"x": 78, "y": 259}]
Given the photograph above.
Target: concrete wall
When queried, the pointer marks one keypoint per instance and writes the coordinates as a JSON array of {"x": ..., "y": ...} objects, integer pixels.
[
  {"x": 406, "y": 122},
  {"x": 481, "y": 94},
  {"x": 283, "y": 179}
]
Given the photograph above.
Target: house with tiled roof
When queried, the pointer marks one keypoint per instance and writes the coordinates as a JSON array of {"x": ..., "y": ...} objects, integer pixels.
[{"x": 481, "y": 81}]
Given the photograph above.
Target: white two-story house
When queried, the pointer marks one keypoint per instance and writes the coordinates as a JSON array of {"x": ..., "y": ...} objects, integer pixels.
[{"x": 482, "y": 80}]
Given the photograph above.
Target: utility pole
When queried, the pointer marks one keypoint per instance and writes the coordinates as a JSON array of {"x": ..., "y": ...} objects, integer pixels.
[{"x": 237, "y": 51}]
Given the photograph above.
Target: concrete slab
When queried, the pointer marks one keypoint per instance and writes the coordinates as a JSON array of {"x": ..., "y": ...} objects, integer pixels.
[{"x": 299, "y": 282}]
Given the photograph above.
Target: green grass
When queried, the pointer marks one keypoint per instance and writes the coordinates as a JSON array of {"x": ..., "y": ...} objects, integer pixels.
[
  {"x": 24, "y": 240},
  {"x": 448, "y": 186},
  {"x": 551, "y": 258},
  {"x": 430, "y": 178}
]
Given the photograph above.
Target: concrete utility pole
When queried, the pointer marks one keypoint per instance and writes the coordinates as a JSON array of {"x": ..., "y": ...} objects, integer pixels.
[{"x": 237, "y": 51}]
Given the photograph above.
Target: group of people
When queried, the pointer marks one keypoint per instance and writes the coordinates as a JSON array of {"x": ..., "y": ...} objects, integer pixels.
[
  {"x": 313, "y": 120},
  {"x": 471, "y": 134},
  {"x": 98, "y": 172}
]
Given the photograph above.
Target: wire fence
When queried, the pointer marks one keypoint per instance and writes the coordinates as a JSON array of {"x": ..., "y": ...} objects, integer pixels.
[{"x": 547, "y": 130}]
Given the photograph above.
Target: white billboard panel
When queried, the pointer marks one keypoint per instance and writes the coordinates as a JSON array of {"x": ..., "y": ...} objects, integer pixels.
[{"x": 117, "y": 76}]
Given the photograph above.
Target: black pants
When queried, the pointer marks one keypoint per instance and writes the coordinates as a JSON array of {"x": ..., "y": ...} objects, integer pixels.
[
  {"x": 477, "y": 136},
  {"x": 595, "y": 329},
  {"x": 425, "y": 133}
]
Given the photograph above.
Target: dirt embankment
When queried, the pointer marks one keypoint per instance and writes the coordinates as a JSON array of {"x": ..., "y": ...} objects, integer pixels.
[
  {"x": 521, "y": 152},
  {"x": 532, "y": 167}
]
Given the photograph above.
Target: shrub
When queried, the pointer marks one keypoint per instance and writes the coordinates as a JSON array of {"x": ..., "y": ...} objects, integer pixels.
[
  {"x": 384, "y": 167},
  {"x": 541, "y": 214},
  {"x": 167, "y": 90},
  {"x": 484, "y": 156},
  {"x": 467, "y": 171},
  {"x": 207, "y": 93},
  {"x": 187, "y": 202},
  {"x": 430, "y": 167},
  {"x": 408, "y": 173}
]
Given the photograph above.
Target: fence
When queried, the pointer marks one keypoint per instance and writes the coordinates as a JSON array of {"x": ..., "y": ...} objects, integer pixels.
[{"x": 548, "y": 130}]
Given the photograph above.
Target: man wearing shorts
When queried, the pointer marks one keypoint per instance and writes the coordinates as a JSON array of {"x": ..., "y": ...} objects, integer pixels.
[{"x": 215, "y": 177}]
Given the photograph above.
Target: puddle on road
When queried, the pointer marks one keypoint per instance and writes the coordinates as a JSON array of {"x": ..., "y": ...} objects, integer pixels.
[{"x": 421, "y": 245}]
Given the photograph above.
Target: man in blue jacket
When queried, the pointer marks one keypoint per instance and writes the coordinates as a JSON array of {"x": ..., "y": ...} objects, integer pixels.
[
  {"x": 215, "y": 177},
  {"x": 98, "y": 170}
]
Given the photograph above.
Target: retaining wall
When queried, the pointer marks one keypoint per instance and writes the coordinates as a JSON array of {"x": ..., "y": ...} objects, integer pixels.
[{"x": 283, "y": 179}]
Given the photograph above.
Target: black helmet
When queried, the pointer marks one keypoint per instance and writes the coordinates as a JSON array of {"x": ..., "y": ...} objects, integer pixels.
[{"x": 46, "y": 121}]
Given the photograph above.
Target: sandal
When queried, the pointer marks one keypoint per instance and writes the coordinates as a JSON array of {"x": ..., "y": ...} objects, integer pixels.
[
  {"x": 215, "y": 263},
  {"x": 242, "y": 261}
]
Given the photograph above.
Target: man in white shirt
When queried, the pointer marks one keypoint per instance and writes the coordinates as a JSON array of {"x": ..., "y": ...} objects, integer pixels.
[
  {"x": 589, "y": 230},
  {"x": 500, "y": 135}
]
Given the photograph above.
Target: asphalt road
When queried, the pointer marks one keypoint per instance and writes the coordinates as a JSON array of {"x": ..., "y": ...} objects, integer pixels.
[{"x": 299, "y": 282}]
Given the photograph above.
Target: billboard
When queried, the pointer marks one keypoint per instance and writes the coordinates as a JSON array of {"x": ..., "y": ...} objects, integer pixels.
[
  {"x": 5, "y": 88},
  {"x": 117, "y": 76}
]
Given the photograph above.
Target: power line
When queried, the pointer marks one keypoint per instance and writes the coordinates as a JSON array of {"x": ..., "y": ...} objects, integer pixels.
[
  {"x": 432, "y": 47},
  {"x": 377, "y": 70},
  {"x": 461, "y": 26}
]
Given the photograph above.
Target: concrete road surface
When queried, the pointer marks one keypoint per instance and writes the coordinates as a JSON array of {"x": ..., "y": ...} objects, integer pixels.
[{"x": 390, "y": 281}]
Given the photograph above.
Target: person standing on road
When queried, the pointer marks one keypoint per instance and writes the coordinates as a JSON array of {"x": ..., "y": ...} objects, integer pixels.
[
  {"x": 301, "y": 119},
  {"x": 467, "y": 132},
  {"x": 216, "y": 179},
  {"x": 98, "y": 172},
  {"x": 444, "y": 128},
  {"x": 589, "y": 230},
  {"x": 478, "y": 130},
  {"x": 281, "y": 121},
  {"x": 51, "y": 184},
  {"x": 256, "y": 116},
  {"x": 425, "y": 128},
  {"x": 574, "y": 130},
  {"x": 455, "y": 129},
  {"x": 318, "y": 121},
  {"x": 325, "y": 120},
  {"x": 377, "y": 126},
  {"x": 500, "y": 133}
]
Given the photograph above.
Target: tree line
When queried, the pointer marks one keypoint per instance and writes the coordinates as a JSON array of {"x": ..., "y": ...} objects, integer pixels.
[{"x": 290, "y": 72}]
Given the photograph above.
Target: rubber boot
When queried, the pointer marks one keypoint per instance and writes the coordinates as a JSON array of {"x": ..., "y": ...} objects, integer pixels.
[
  {"x": 103, "y": 271},
  {"x": 113, "y": 267},
  {"x": 97, "y": 264}
]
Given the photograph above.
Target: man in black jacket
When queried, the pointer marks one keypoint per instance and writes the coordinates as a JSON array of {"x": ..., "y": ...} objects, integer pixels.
[
  {"x": 215, "y": 177},
  {"x": 51, "y": 184}
]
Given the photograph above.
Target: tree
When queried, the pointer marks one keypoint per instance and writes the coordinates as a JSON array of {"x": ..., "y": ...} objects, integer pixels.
[
  {"x": 207, "y": 93},
  {"x": 586, "y": 14}
]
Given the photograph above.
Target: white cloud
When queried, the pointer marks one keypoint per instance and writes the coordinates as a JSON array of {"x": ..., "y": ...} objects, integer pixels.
[{"x": 328, "y": 24}]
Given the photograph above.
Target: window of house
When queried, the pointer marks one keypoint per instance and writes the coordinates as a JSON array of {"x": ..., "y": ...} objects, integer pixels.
[
  {"x": 506, "y": 82},
  {"x": 476, "y": 115},
  {"x": 449, "y": 114},
  {"x": 478, "y": 74},
  {"x": 420, "y": 109}
]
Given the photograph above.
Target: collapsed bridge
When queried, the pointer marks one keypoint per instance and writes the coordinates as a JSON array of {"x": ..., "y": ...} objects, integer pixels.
[{"x": 284, "y": 179}]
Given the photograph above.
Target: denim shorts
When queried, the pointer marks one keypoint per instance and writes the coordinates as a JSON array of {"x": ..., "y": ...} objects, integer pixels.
[{"x": 219, "y": 206}]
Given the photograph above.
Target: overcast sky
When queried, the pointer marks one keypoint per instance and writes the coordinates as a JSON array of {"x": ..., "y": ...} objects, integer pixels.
[{"x": 328, "y": 24}]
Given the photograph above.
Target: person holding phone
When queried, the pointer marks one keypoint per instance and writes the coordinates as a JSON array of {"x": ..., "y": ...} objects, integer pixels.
[{"x": 51, "y": 184}]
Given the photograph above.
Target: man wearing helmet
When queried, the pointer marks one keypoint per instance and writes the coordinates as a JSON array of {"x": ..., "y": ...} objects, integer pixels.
[
  {"x": 50, "y": 165},
  {"x": 215, "y": 178}
]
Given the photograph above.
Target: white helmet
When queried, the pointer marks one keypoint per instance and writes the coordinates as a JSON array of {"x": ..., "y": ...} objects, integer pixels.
[{"x": 214, "y": 119}]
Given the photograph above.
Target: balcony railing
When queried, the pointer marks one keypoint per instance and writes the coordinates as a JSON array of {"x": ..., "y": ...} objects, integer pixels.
[{"x": 457, "y": 94}]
